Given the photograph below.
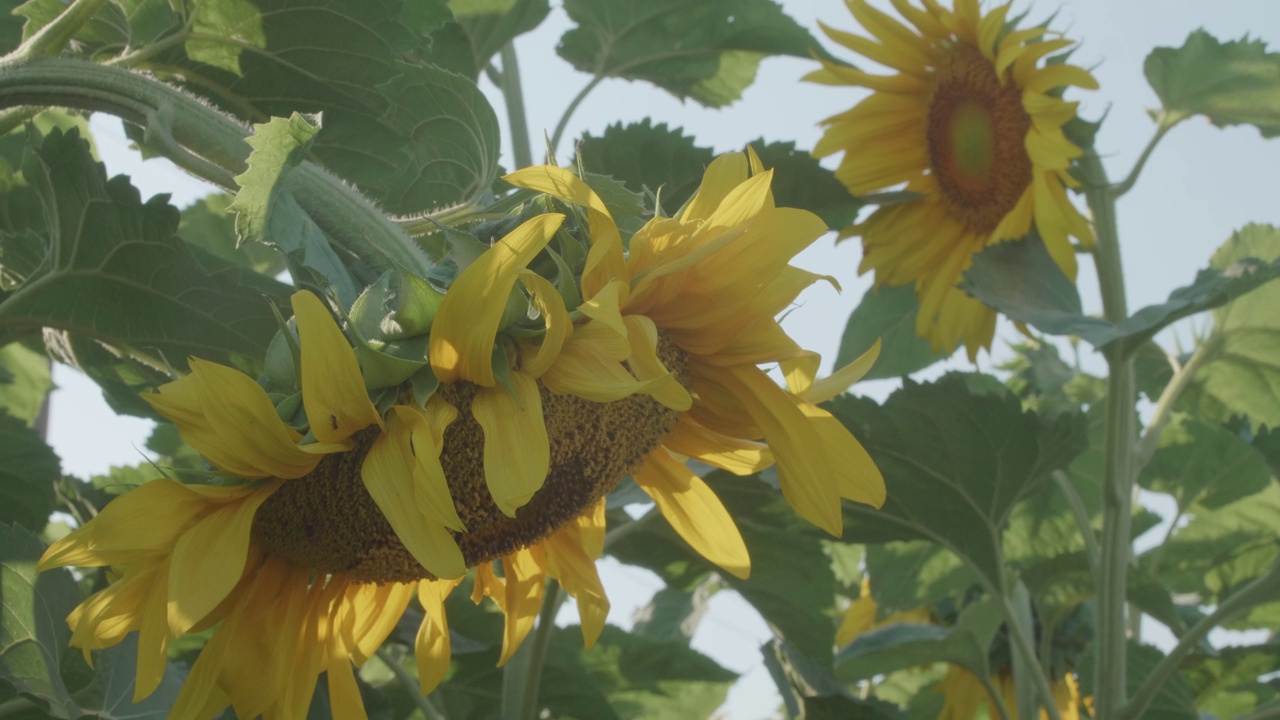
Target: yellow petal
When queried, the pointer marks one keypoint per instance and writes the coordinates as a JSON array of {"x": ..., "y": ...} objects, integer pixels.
[
  {"x": 489, "y": 585},
  {"x": 571, "y": 566},
  {"x": 388, "y": 476},
  {"x": 523, "y": 571},
  {"x": 605, "y": 306},
  {"x": 344, "y": 693},
  {"x": 740, "y": 457},
  {"x": 840, "y": 380},
  {"x": 818, "y": 460},
  {"x": 228, "y": 418},
  {"x": 605, "y": 257},
  {"x": 858, "y": 619},
  {"x": 209, "y": 559},
  {"x": 153, "y": 640},
  {"x": 466, "y": 325},
  {"x": 333, "y": 392},
  {"x": 642, "y": 334},
  {"x": 431, "y": 648},
  {"x": 694, "y": 511},
  {"x": 590, "y": 367},
  {"x": 430, "y": 487},
  {"x": 556, "y": 317},
  {"x": 589, "y": 529},
  {"x": 374, "y": 610},
  {"x": 517, "y": 454},
  {"x": 723, "y": 175}
]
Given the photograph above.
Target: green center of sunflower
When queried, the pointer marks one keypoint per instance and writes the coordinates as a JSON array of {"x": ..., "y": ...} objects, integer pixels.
[
  {"x": 977, "y": 133},
  {"x": 326, "y": 521}
]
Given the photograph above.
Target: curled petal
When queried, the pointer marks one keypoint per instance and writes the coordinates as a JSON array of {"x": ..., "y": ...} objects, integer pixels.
[{"x": 466, "y": 325}]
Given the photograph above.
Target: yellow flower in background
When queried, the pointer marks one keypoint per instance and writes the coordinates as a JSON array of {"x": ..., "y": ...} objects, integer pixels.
[
  {"x": 860, "y": 617},
  {"x": 964, "y": 695},
  {"x": 971, "y": 120},
  {"x": 307, "y": 566}
]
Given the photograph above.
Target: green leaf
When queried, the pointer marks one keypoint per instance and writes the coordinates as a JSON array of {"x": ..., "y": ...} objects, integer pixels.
[
  {"x": 791, "y": 582},
  {"x": 491, "y": 24},
  {"x": 33, "y": 627},
  {"x": 800, "y": 182},
  {"x": 1226, "y": 683},
  {"x": 839, "y": 707},
  {"x": 648, "y": 158},
  {"x": 110, "y": 257},
  {"x": 1232, "y": 83},
  {"x": 1220, "y": 550},
  {"x": 1242, "y": 377},
  {"x": 411, "y": 135},
  {"x": 957, "y": 461},
  {"x": 1204, "y": 465},
  {"x": 904, "y": 645},
  {"x": 1021, "y": 280},
  {"x": 266, "y": 211},
  {"x": 673, "y": 614},
  {"x": 209, "y": 224},
  {"x": 798, "y": 678},
  {"x": 28, "y": 471},
  {"x": 110, "y": 694},
  {"x": 889, "y": 315},
  {"x": 706, "y": 50},
  {"x": 1174, "y": 700},
  {"x": 915, "y": 573},
  {"x": 25, "y": 381}
]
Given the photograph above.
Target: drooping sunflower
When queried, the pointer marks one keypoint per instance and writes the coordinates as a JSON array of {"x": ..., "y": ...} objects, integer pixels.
[
  {"x": 971, "y": 120},
  {"x": 330, "y": 528}
]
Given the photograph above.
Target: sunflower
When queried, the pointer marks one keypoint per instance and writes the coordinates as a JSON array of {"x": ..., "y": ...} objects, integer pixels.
[
  {"x": 306, "y": 560},
  {"x": 692, "y": 309},
  {"x": 971, "y": 122},
  {"x": 963, "y": 695}
]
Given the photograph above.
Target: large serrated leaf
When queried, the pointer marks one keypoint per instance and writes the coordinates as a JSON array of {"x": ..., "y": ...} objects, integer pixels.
[
  {"x": 1022, "y": 281},
  {"x": 800, "y": 182},
  {"x": 33, "y": 628},
  {"x": 957, "y": 455},
  {"x": 706, "y": 50},
  {"x": 28, "y": 471},
  {"x": 1231, "y": 83},
  {"x": 409, "y": 134},
  {"x": 266, "y": 211},
  {"x": 491, "y": 24},
  {"x": 887, "y": 314},
  {"x": 1204, "y": 465},
  {"x": 1242, "y": 377},
  {"x": 110, "y": 256},
  {"x": 648, "y": 157}
]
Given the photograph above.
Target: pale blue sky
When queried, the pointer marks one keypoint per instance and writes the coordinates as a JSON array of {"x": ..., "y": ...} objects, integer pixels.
[{"x": 1200, "y": 185}]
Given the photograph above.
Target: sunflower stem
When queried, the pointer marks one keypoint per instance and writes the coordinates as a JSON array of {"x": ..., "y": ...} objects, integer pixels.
[
  {"x": 411, "y": 684},
  {"x": 513, "y": 95},
  {"x": 1166, "y": 123},
  {"x": 1110, "y": 694},
  {"x": 570, "y": 108},
  {"x": 522, "y": 676},
  {"x": 206, "y": 143},
  {"x": 1180, "y": 381},
  {"x": 1093, "y": 553},
  {"x": 1023, "y": 647}
]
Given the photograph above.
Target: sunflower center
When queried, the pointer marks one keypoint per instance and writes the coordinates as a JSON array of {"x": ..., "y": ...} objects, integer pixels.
[
  {"x": 977, "y": 140},
  {"x": 327, "y": 521}
]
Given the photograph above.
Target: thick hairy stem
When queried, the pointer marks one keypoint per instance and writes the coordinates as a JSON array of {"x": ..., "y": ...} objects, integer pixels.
[
  {"x": 513, "y": 95},
  {"x": 207, "y": 143},
  {"x": 1120, "y": 444}
]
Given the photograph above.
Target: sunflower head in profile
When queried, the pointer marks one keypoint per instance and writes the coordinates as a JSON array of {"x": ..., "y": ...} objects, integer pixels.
[
  {"x": 528, "y": 380},
  {"x": 971, "y": 120}
]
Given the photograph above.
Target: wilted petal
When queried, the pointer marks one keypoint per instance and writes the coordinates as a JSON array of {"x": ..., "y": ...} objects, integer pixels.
[{"x": 333, "y": 392}]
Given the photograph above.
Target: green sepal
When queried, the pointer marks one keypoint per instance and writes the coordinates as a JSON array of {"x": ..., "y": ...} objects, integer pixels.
[
  {"x": 282, "y": 365},
  {"x": 415, "y": 308},
  {"x": 289, "y": 408},
  {"x": 385, "y": 362}
]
